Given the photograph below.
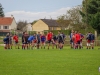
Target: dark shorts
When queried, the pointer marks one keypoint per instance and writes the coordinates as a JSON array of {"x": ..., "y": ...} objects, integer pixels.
[
  {"x": 71, "y": 41},
  {"x": 26, "y": 41},
  {"x": 60, "y": 41},
  {"x": 16, "y": 42},
  {"x": 23, "y": 42},
  {"x": 38, "y": 41},
  {"x": 49, "y": 41},
  {"x": 88, "y": 41},
  {"x": 78, "y": 42},
  {"x": 29, "y": 42},
  {"x": 7, "y": 42},
  {"x": 81, "y": 40},
  {"x": 42, "y": 41}
]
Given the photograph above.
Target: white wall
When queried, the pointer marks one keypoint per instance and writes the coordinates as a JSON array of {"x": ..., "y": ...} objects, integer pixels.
[
  {"x": 5, "y": 29},
  {"x": 14, "y": 25},
  {"x": 29, "y": 27}
]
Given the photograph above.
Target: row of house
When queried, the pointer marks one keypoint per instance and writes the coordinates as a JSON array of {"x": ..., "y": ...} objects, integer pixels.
[{"x": 7, "y": 24}]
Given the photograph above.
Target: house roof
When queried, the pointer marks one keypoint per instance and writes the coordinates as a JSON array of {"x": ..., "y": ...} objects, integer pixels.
[
  {"x": 50, "y": 22},
  {"x": 6, "y": 20}
]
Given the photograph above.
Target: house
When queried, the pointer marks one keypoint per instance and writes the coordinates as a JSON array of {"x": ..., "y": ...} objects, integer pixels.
[
  {"x": 7, "y": 24},
  {"x": 28, "y": 27},
  {"x": 45, "y": 24}
]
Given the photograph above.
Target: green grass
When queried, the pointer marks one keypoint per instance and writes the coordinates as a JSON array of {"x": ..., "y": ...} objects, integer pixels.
[{"x": 49, "y": 62}]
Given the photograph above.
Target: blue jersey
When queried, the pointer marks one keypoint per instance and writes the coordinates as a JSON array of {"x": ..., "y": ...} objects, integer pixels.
[
  {"x": 43, "y": 38},
  {"x": 71, "y": 35},
  {"x": 92, "y": 37},
  {"x": 31, "y": 38},
  {"x": 5, "y": 39}
]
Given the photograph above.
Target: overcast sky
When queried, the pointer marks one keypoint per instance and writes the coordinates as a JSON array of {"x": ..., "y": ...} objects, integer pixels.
[{"x": 31, "y": 10}]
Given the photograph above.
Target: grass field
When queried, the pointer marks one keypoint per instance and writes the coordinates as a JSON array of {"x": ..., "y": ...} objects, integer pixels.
[{"x": 49, "y": 62}]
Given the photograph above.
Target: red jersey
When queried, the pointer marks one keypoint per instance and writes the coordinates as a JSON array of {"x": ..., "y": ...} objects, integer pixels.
[
  {"x": 77, "y": 37},
  {"x": 15, "y": 37},
  {"x": 49, "y": 36}
]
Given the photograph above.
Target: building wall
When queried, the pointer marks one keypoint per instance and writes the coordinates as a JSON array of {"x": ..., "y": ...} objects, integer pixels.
[
  {"x": 2, "y": 27},
  {"x": 13, "y": 25},
  {"x": 54, "y": 28},
  {"x": 58, "y": 28},
  {"x": 29, "y": 27},
  {"x": 40, "y": 26}
]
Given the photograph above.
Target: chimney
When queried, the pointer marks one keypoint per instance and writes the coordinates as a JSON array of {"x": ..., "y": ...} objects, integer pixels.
[{"x": 12, "y": 16}]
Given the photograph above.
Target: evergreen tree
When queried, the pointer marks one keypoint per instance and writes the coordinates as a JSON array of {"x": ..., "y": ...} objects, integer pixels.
[
  {"x": 91, "y": 13},
  {"x": 1, "y": 11}
]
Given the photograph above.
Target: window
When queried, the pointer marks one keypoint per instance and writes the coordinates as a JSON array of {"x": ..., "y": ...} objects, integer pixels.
[
  {"x": 55, "y": 28},
  {"x": 5, "y": 27},
  {"x": 50, "y": 28}
]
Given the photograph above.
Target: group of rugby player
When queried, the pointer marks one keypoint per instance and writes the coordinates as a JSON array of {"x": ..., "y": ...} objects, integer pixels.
[
  {"x": 76, "y": 40},
  {"x": 8, "y": 41},
  {"x": 38, "y": 40},
  {"x": 35, "y": 41}
]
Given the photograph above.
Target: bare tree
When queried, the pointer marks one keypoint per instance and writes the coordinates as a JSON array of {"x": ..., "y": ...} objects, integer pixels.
[
  {"x": 72, "y": 18},
  {"x": 63, "y": 21},
  {"x": 21, "y": 25}
]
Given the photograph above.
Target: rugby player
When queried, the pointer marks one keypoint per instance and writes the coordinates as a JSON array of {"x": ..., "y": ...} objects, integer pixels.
[{"x": 43, "y": 40}]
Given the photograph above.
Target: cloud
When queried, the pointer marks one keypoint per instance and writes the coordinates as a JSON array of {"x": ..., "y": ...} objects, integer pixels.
[{"x": 31, "y": 16}]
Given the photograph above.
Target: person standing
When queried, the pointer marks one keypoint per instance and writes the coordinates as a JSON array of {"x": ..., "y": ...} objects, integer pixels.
[
  {"x": 34, "y": 41},
  {"x": 54, "y": 41},
  {"x": 23, "y": 44},
  {"x": 77, "y": 38},
  {"x": 6, "y": 41},
  {"x": 38, "y": 40},
  {"x": 81, "y": 40},
  {"x": 88, "y": 38},
  {"x": 30, "y": 39},
  {"x": 10, "y": 41},
  {"x": 49, "y": 38},
  {"x": 26, "y": 36},
  {"x": 92, "y": 40},
  {"x": 71, "y": 41},
  {"x": 43, "y": 40},
  {"x": 15, "y": 38},
  {"x": 60, "y": 40}
]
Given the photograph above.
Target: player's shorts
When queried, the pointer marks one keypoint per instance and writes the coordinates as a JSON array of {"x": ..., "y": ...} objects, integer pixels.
[
  {"x": 29, "y": 41},
  {"x": 81, "y": 40},
  {"x": 92, "y": 41},
  {"x": 16, "y": 42},
  {"x": 35, "y": 41},
  {"x": 49, "y": 41},
  {"x": 88, "y": 41},
  {"x": 38, "y": 41},
  {"x": 23, "y": 42},
  {"x": 42, "y": 42},
  {"x": 71, "y": 41},
  {"x": 26, "y": 41},
  {"x": 78, "y": 42},
  {"x": 60, "y": 41},
  {"x": 7, "y": 42}
]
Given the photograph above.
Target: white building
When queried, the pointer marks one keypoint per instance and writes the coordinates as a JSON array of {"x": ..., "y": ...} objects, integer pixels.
[{"x": 7, "y": 24}]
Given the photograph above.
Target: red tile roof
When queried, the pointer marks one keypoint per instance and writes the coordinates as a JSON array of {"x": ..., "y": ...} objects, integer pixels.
[{"x": 6, "y": 20}]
